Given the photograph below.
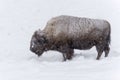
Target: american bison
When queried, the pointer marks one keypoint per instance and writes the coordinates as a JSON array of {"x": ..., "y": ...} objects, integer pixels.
[{"x": 66, "y": 33}]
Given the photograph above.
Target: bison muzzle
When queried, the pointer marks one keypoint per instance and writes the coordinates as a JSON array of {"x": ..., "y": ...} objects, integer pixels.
[{"x": 66, "y": 33}]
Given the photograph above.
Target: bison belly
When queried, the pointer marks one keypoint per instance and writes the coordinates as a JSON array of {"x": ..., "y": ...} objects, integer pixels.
[{"x": 83, "y": 44}]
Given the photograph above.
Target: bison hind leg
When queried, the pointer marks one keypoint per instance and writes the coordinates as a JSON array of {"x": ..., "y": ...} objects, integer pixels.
[
  {"x": 106, "y": 50},
  {"x": 100, "y": 49}
]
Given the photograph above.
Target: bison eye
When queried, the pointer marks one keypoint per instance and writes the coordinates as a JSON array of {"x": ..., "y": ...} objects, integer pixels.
[{"x": 40, "y": 41}]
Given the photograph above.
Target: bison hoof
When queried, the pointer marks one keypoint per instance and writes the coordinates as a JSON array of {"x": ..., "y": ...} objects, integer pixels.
[
  {"x": 97, "y": 58},
  {"x": 64, "y": 59}
]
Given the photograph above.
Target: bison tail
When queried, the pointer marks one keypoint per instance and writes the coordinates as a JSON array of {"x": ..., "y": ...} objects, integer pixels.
[
  {"x": 109, "y": 36},
  {"x": 109, "y": 39}
]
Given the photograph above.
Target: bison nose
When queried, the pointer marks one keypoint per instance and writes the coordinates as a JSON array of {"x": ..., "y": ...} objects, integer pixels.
[{"x": 32, "y": 49}]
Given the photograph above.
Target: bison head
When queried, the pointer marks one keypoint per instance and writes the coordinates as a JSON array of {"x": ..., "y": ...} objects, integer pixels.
[{"x": 38, "y": 42}]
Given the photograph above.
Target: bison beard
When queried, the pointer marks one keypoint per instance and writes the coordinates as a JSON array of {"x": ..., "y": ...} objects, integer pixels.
[{"x": 66, "y": 33}]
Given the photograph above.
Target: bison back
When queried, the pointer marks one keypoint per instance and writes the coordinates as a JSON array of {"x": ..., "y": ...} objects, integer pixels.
[{"x": 75, "y": 27}]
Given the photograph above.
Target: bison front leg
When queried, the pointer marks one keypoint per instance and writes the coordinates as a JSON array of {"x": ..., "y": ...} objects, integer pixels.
[
  {"x": 67, "y": 54},
  {"x": 64, "y": 57},
  {"x": 70, "y": 54}
]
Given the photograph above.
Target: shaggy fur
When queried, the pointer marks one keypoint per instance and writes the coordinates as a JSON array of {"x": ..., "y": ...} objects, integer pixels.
[{"x": 66, "y": 33}]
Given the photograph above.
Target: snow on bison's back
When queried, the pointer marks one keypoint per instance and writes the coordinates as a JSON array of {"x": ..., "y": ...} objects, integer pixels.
[
  {"x": 75, "y": 26},
  {"x": 65, "y": 33}
]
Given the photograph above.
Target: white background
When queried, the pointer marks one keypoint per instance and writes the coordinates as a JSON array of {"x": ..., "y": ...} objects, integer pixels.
[{"x": 20, "y": 18}]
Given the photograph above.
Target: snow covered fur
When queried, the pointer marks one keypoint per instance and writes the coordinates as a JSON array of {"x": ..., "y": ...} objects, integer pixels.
[{"x": 66, "y": 33}]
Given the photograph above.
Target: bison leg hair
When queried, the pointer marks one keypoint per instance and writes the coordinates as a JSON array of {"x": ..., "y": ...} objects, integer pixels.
[
  {"x": 100, "y": 49},
  {"x": 99, "y": 55},
  {"x": 67, "y": 54},
  {"x": 107, "y": 49},
  {"x": 70, "y": 54},
  {"x": 64, "y": 57}
]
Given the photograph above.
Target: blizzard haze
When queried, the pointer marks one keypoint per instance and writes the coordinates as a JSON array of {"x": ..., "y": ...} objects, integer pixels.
[{"x": 20, "y": 18}]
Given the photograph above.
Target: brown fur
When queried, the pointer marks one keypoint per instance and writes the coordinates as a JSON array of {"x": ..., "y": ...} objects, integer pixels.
[{"x": 49, "y": 39}]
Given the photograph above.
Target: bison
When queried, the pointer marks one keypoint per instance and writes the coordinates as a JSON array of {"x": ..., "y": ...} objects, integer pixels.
[{"x": 66, "y": 33}]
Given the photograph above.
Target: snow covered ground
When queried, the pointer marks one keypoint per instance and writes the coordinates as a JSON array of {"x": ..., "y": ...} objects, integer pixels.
[{"x": 20, "y": 18}]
